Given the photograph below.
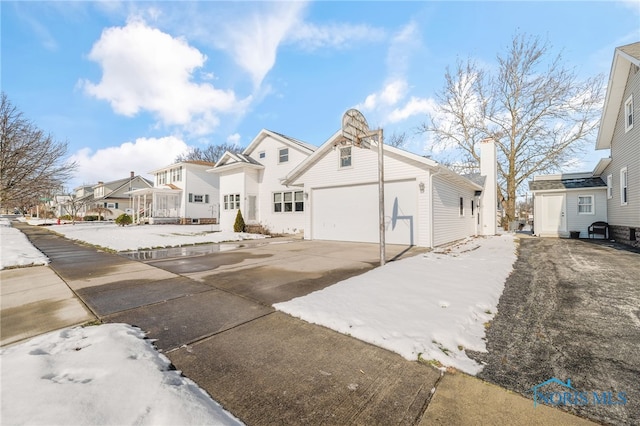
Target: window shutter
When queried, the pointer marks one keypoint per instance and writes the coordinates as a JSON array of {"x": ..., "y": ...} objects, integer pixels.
[
  {"x": 190, "y": 197},
  {"x": 206, "y": 198},
  {"x": 116, "y": 205}
]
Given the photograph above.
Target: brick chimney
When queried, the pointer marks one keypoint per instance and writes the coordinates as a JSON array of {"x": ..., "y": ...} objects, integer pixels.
[{"x": 133, "y": 175}]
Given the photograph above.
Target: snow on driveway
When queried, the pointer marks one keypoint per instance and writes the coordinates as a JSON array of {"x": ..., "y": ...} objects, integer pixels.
[{"x": 432, "y": 306}]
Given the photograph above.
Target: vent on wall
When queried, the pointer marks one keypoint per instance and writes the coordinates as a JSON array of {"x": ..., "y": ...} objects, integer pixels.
[{"x": 195, "y": 221}]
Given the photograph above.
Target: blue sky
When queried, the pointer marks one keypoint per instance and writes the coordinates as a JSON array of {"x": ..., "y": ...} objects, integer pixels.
[{"x": 132, "y": 84}]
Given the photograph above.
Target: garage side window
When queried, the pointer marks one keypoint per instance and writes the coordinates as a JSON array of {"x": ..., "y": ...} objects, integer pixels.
[
  {"x": 585, "y": 204},
  {"x": 289, "y": 201},
  {"x": 461, "y": 206}
]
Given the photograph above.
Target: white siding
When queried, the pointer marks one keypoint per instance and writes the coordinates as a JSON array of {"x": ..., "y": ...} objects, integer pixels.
[
  {"x": 448, "y": 225},
  {"x": 198, "y": 181},
  {"x": 269, "y": 182},
  {"x": 625, "y": 152},
  {"x": 231, "y": 183}
]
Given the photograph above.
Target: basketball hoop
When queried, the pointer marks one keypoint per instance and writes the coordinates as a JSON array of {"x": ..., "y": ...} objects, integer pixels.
[{"x": 355, "y": 128}]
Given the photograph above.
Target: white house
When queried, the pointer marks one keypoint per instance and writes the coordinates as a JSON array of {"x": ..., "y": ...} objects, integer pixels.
[
  {"x": 425, "y": 203},
  {"x": 251, "y": 182},
  {"x": 182, "y": 193}
]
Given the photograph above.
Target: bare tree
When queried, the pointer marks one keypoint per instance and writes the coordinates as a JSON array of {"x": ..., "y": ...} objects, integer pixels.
[
  {"x": 73, "y": 205},
  {"x": 31, "y": 162},
  {"x": 538, "y": 112},
  {"x": 398, "y": 140},
  {"x": 211, "y": 153}
]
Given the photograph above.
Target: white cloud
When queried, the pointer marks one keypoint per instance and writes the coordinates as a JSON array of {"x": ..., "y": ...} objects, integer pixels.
[
  {"x": 145, "y": 69},
  {"x": 234, "y": 138},
  {"x": 253, "y": 41},
  {"x": 415, "y": 106},
  {"x": 337, "y": 35},
  {"x": 141, "y": 156},
  {"x": 388, "y": 96}
]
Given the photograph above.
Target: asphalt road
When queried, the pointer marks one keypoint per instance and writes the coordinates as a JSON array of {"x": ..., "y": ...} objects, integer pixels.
[{"x": 570, "y": 310}]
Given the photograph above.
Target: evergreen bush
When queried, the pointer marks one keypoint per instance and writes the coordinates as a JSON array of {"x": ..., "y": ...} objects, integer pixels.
[
  {"x": 123, "y": 219},
  {"x": 239, "y": 225}
]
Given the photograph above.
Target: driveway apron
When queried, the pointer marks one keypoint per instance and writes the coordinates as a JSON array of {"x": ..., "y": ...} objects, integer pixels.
[{"x": 263, "y": 366}]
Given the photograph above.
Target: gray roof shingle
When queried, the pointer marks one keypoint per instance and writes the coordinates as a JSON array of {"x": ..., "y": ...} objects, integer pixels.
[{"x": 542, "y": 185}]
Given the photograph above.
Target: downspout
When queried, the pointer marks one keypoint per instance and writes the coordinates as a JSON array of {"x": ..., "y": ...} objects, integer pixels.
[{"x": 431, "y": 175}]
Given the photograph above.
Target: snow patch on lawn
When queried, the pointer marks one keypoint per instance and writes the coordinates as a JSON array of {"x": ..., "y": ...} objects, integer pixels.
[
  {"x": 136, "y": 237},
  {"x": 431, "y": 307},
  {"x": 16, "y": 249}
]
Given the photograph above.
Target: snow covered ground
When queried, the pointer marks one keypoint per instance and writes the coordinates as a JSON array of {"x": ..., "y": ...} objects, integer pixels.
[
  {"x": 100, "y": 375},
  {"x": 432, "y": 306},
  {"x": 15, "y": 248},
  {"x": 119, "y": 238}
]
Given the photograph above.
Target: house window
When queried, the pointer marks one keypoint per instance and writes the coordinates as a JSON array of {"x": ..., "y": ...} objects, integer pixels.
[
  {"x": 285, "y": 202},
  {"x": 345, "y": 157},
  {"x": 283, "y": 155},
  {"x": 461, "y": 206},
  {"x": 609, "y": 186},
  {"x": 585, "y": 204},
  {"x": 262, "y": 154},
  {"x": 624, "y": 187},
  {"x": 176, "y": 174},
  {"x": 628, "y": 114},
  {"x": 198, "y": 198},
  {"x": 162, "y": 178},
  {"x": 231, "y": 202}
]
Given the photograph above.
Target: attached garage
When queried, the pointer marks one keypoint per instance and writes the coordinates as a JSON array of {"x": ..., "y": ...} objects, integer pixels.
[{"x": 350, "y": 213}]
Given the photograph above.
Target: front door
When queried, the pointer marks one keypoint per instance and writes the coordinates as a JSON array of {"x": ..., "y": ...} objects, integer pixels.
[{"x": 251, "y": 208}]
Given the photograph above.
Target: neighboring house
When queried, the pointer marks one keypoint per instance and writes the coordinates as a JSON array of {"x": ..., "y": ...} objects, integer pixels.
[
  {"x": 568, "y": 202},
  {"x": 426, "y": 204},
  {"x": 614, "y": 184},
  {"x": 251, "y": 182},
  {"x": 115, "y": 196},
  {"x": 620, "y": 132},
  {"x": 181, "y": 193}
]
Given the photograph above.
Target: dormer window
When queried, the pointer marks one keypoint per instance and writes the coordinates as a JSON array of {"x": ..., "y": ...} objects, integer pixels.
[
  {"x": 283, "y": 155},
  {"x": 628, "y": 114}
]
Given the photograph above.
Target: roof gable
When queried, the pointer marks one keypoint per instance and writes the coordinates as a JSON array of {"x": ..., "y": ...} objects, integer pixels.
[
  {"x": 296, "y": 174},
  {"x": 291, "y": 142},
  {"x": 623, "y": 58}
]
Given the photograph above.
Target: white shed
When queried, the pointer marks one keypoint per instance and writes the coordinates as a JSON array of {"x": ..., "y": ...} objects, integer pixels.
[{"x": 565, "y": 203}]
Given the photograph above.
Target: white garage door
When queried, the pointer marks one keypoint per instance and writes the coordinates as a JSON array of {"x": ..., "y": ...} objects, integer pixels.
[{"x": 350, "y": 213}]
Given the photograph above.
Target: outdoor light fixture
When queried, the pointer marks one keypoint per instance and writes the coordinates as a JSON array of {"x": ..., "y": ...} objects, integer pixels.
[
  {"x": 421, "y": 186},
  {"x": 306, "y": 195}
]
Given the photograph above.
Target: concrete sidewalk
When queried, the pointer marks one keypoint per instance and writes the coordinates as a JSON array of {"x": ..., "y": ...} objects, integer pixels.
[
  {"x": 35, "y": 301},
  {"x": 263, "y": 366}
]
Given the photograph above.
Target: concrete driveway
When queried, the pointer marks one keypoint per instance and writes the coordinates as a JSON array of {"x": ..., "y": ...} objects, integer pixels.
[{"x": 571, "y": 310}]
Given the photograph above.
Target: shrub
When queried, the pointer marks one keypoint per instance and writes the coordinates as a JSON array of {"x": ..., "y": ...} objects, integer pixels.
[
  {"x": 239, "y": 225},
  {"x": 123, "y": 219},
  {"x": 90, "y": 218}
]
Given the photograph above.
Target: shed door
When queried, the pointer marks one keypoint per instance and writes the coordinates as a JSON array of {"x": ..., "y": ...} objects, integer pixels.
[
  {"x": 554, "y": 218},
  {"x": 350, "y": 213}
]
